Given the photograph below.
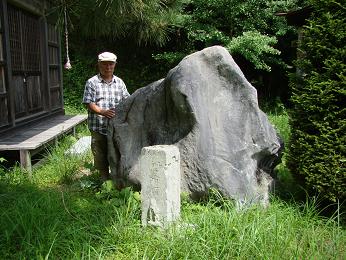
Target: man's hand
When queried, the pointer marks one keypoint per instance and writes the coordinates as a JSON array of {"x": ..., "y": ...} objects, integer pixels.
[{"x": 107, "y": 113}]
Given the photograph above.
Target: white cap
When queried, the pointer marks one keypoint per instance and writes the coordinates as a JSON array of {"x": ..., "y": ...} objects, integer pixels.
[{"x": 107, "y": 56}]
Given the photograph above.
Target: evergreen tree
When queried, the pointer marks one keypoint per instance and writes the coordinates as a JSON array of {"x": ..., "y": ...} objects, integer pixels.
[
  {"x": 144, "y": 21},
  {"x": 317, "y": 148},
  {"x": 246, "y": 28}
]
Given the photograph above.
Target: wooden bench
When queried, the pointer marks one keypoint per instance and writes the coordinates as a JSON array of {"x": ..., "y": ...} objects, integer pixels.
[{"x": 30, "y": 139}]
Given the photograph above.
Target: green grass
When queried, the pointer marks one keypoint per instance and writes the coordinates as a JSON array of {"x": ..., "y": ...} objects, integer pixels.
[
  {"x": 56, "y": 215},
  {"x": 64, "y": 223},
  {"x": 286, "y": 186}
]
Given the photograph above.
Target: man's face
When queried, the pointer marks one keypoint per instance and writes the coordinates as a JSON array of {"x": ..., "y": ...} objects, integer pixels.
[{"x": 106, "y": 67}]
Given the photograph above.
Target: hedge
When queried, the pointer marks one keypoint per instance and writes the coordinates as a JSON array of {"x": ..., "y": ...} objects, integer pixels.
[{"x": 317, "y": 145}]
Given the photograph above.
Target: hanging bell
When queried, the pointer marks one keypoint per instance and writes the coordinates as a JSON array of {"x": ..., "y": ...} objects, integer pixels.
[{"x": 68, "y": 65}]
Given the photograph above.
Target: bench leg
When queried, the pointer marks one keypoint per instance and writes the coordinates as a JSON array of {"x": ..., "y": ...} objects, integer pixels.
[{"x": 25, "y": 159}]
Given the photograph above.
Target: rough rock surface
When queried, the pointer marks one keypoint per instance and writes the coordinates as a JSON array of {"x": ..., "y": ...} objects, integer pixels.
[{"x": 207, "y": 108}]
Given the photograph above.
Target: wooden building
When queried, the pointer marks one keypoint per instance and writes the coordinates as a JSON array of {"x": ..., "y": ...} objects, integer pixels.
[
  {"x": 31, "y": 88},
  {"x": 30, "y": 67}
]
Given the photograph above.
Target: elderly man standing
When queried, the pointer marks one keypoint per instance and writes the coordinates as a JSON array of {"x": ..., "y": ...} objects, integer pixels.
[{"x": 103, "y": 92}]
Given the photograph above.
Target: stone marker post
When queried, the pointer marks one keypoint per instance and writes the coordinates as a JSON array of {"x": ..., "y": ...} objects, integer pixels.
[{"x": 160, "y": 173}]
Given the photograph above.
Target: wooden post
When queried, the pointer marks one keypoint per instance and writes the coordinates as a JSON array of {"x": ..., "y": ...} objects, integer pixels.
[
  {"x": 9, "y": 83},
  {"x": 25, "y": 160}
]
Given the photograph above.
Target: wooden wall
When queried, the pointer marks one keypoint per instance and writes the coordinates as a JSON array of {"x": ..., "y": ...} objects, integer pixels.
[
  {"x": 30, "y": 66},
  {"x": 54, "y": 68},
  {"x": 4, "y": 120}
]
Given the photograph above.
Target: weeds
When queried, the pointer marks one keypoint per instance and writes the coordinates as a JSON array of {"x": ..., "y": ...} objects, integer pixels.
[{"x": 66, "y": 212}]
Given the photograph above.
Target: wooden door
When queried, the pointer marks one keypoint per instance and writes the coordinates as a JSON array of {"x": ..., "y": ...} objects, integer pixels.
[
  {"x": 24, "y": 37},
  {"x": 4, "y": 115},
  {"x": 55, "y": 87}
]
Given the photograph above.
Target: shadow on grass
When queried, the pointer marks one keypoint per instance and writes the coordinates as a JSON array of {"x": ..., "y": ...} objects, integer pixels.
[{"x": 293, "y": 190}]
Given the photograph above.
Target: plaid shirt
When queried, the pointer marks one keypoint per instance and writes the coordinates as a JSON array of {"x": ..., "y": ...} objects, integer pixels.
[{"x": 106, "y": 96}]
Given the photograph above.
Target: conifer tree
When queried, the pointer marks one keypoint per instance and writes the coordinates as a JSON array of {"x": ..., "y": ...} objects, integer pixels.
[{"x": 318, "y": 119}]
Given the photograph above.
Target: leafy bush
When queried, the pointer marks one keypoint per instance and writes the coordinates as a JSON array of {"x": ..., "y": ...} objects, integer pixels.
[
  {"x": 135, "y": 74},
  {"x": 254, "y": 47},
  {"x": 317, "y": 150},
  {"x": 140, "y": 74},
  {"x": 233, "y": 24},
  {"x": 74, "y": 82}
]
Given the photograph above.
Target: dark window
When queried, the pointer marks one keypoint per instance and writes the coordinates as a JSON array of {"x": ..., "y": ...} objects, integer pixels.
[
  {"x": 24, "y": 42},
  {"x": 2, "y": 71},
  {"x": 2, "y": 74},
  {"x": 3, "y": 95}
]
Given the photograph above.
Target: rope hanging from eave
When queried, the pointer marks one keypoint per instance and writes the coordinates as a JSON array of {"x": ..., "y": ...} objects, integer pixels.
[{"x": 68, "y": 63}]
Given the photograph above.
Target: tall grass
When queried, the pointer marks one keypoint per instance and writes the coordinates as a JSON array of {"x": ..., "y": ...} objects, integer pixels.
[
  {"x": 62, "y": 224},
  {"x": 59, "y": 214}
]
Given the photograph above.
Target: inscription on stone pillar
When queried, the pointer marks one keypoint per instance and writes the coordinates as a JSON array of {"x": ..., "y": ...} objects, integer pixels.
[{"x": 160, "y": 181}]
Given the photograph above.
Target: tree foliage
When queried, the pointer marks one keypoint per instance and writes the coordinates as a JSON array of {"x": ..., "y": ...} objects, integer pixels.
[
  {"x": 135, "y": 29},
  {"x": 317, "y": 150},
  {"x": 144, "y": 21},
  {"x": 235, "y": 24},
  {"x": 254, "y": 46}
]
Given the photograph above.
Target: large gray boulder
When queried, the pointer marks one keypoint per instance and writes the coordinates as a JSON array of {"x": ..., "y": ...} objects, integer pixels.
[{"x": 207, "y": 108}]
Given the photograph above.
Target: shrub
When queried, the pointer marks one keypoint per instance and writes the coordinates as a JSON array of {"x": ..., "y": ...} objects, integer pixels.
[
  {"x": 74, "y": 83},
  {"x": 317, "y": 148}
]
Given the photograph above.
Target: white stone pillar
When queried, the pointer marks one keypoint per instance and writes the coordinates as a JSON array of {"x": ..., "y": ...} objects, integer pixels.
[{"x": 160, "y": 182}]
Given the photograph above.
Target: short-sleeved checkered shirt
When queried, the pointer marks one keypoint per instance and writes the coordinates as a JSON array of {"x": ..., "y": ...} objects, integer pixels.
[{"x": 106, "y": 96}]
